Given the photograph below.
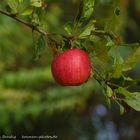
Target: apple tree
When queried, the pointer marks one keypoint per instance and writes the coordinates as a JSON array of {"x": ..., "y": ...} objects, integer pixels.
[{"x": 82, "y": 49}]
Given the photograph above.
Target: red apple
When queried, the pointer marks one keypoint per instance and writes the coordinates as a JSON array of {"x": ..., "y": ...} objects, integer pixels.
[{"x": 71, "y": 68}]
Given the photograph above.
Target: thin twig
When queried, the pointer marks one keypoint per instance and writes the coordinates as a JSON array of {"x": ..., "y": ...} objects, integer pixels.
[
  {"x": 106, "y": 33},
  {"x": 33, "y": 27},
  {"x": 112, "y": 84}
]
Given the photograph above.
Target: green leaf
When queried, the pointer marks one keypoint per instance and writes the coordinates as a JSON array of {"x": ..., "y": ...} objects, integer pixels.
[
  {"x": 124, "y": 92},
  {"x": 128, "y": 79},
  {"x": 131, "y": 61},
  {"x": 103, "y": 55},
  {"x": 108, "y": 101},
  {"x": 27, "y": 12},
  {"x": 36, "y": 3},
  {"x": 117, "y": 11},
  {"x": 117, "y": 67},
  {"x": 13, "y": 4},
  {"x": 86, "y": 31},
  {"x": 135, "y": 101},
  {"x": 20, "y": 1},
  {"x": 68, "y": 28},
  {"x": 109, "y": 91},
  {"x": 100, "y": 49},
  {"x": 40, "y": 47},
  {"x": 113, "y": 17},
  {"x": 122, "y": 109},
  {"x": 110, "y": 44},
  {"x": 85, "y": 10},
  {"x": 107, "y": 97}
]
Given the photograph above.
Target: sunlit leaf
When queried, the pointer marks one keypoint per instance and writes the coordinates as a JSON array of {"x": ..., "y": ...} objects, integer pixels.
[
  {"x": 135, "y": 101},
  {"x": 28, "y": 11},
  {"x": 13, "y": 4},
  {"x": 109, "y": 91},
  {"x": 86, "y": 31},
  {"x": 124, "y": 92},
  {"x": 36, "y": 3}
]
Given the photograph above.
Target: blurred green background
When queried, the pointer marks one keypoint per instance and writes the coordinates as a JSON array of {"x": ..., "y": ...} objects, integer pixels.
[{"x": 31, "y": 102}]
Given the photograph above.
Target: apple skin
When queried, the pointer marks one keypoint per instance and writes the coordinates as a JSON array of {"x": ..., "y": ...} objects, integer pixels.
[{"x": 71, "y": 68}]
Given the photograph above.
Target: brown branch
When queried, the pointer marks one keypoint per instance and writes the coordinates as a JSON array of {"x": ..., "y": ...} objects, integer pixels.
[{"x": 33, "y": 27}]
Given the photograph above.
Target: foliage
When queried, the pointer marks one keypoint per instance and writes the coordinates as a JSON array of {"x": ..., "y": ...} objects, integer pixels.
[
  {"x": 82, "y": 31},
  {"x": 99, "y": 32}
]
